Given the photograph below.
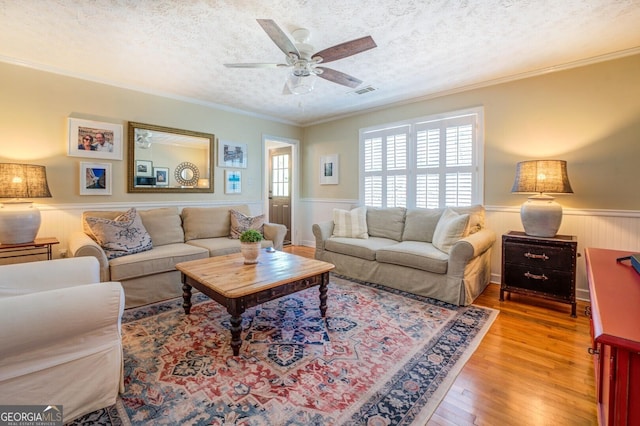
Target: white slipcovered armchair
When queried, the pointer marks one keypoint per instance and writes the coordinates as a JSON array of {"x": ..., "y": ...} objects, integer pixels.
[{"x": 60, "y": 340}]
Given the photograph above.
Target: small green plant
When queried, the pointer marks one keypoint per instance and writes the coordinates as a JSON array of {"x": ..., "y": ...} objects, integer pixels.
[{"x": 251, "y": 236}]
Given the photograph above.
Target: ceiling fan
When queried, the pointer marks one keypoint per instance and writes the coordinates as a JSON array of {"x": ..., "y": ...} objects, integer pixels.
[{"x": 299, "y": 56}]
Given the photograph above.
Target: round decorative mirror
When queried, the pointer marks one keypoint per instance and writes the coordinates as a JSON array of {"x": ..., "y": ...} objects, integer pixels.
[{"x": 187, "y": 174}]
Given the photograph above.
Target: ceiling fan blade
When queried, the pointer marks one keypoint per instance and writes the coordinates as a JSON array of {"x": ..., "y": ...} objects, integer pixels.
[
  {"x": 345, "y": 49},
  {"x": 278, "y": 36},
  {"x": 249, "y": 65},
  {"x": 339, "y": 77}
]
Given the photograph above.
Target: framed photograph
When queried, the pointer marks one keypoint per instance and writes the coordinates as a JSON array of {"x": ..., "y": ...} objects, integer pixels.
[
  {"x": 232, "y": 182},
  {"x": 144, "y": 168},
  {"x": 95, "y": 178},
  {"x": 94, "y": 139},
  {"x": 329, "y": 167},
  {"x": 162, "y": 176},
  {"x": 231, "y": 154}
]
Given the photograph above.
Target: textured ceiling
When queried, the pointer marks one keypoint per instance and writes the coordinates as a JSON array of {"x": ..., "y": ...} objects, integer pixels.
[{"x": 178, "y": 48}]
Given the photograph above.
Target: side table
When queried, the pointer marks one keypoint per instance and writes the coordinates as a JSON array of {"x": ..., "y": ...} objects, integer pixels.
[
  {"x": 543, "y": 267},
  {"x": 39, "y": 246}
]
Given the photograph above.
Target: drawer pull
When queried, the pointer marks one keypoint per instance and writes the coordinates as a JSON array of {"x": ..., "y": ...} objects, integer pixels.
[
  {"x": 587, "y": 311},
  {"x": 536, "y": 256},
  {"x": 593, "y": 351},
  {"x": 542, "y": 277}
]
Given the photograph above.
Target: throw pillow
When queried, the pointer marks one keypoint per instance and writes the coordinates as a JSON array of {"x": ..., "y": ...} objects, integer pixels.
[
  {"x": 350, "y": 223},
  {"x": 124, "y": 235},
  {"x": 450, "y": 228},
  {"x": 241, "y": 222}
]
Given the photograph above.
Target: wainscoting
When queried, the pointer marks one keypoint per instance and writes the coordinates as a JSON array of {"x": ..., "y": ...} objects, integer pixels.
[{"x": 594, "y": 228}]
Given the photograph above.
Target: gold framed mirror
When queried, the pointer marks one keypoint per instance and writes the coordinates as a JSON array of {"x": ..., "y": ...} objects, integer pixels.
[{"x": 163, "y": 159}]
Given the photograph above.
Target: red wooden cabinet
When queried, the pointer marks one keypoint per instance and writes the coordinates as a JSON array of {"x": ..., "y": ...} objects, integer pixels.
[{"x": 615, "y": 329}]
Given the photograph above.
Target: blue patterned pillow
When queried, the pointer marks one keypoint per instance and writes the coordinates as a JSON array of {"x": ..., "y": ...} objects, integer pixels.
[{"x": 124, "y": 235}]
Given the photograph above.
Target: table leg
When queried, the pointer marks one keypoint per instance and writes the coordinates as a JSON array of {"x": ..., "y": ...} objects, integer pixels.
[
  {"x": 236, "y": 331},
  {"x": 323, "y": 294},
  {"x": 186, "y": 295}
]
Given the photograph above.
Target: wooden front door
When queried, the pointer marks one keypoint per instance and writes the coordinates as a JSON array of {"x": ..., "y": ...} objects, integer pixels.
[{"x": 280, "y": 188}]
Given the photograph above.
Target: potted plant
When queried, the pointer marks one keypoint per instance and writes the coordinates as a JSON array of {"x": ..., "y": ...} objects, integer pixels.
[{"x": 250, "y": 245}]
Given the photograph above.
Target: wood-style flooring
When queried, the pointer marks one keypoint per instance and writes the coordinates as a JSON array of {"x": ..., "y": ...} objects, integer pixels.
[{"x": 532, "y": 367}]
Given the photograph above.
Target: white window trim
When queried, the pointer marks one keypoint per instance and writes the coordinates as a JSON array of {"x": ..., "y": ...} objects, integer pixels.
[{"x": 478, "y": 191}]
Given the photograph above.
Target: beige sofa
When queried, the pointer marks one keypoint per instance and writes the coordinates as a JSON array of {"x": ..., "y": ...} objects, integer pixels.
[
  {"x": 399, "y": 252},
  {"x": 194, "y": 233},
  {"x": 60, "y": 334}
]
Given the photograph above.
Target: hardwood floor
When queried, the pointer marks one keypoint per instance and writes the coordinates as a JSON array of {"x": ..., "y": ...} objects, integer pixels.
[{"x": 532, "y": 367}]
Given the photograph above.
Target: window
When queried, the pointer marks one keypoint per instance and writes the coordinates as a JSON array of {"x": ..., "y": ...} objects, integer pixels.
[
  {"x": 280, "y": 175},
  {"x": 428, "y": 162}
]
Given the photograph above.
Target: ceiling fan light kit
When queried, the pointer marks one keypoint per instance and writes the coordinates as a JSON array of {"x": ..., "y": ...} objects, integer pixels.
[
  {"x": 300, "y": 84},
  {"x": 305, "y": 64}
]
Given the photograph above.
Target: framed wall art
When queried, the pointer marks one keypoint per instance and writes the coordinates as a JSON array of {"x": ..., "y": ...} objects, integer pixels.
[
  {"x": 95, "y": 178},
  {"x": 144, "y": 168},
  {"x": 329, "y": 168},
  {"x": 232, "y": 182},
  {"x": 231, "y": 154},
  {"x": 94, "y": 139},
  {"x": 162, "y": 176}
]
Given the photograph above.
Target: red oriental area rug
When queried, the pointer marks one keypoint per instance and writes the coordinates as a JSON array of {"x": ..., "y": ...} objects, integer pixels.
[{"x": 381, "y": 358}]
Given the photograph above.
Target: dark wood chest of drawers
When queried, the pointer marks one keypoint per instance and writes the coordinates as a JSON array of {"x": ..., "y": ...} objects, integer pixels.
[{"x": 544, "y": 267}]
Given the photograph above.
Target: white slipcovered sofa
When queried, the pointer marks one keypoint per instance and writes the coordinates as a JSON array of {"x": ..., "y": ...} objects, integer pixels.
[
  {"x": 177, "y": 236},
  {"x": 60, "y": 334},
  {"x": 439, "y": 253}
]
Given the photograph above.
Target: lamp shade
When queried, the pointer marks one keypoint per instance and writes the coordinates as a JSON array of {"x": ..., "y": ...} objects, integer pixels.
[
  {"x": 23, "y": 181},
  {"x": 19, "y": 219},
  {"x": 542, "y": 176},
  {"x": 541, "y": 216}
]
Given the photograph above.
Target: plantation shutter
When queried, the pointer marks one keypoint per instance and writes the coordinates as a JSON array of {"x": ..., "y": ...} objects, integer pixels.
[
  {"x": 445, "y": 162},
  {"x": 385, "y": 167},
  {"x": 428, "y": 163}
]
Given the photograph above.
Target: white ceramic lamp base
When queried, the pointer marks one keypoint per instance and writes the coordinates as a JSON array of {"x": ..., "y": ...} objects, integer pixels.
[
  {"x": 19, "y": 222},
  {"x": 541, "y": 216}
]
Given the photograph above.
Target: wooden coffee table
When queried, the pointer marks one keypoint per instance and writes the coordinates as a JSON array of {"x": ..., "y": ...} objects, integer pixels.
[{"x": 236, "y": 286}]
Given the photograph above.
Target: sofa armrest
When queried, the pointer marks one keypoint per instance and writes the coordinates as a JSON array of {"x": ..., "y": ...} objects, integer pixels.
[
  {"x": 276, "y": 233},
  {"x": 79, "y": 321},
  {"x": 80, "y": 244},
  {"x": 22, "y": 278},
  {"x": 468, "y": 248},
  {"x": 322, "y": 231}
]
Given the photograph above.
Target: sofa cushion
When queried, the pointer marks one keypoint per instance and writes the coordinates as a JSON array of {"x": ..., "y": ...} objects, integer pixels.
[
  {"x": 105, "y": 214},
  {"x": 158, "y": 260},
  {"x": 208, "y": 222},
  {"x": 164, "y": 225},
  {"x": 222, "y": 246},
  {"x": 415, "y": 254},
  {"x": 362, "y": 248},
  {"x": 476, "y": 217},
  {"x": 420, "y": 224},
  {"x": 450, "y": 228},
  {"x": 241, "y": 222},
  {"x": 386, "y": 222},
  {"x": 350, "y": 223},
  {"x": 121, "y": 236}
]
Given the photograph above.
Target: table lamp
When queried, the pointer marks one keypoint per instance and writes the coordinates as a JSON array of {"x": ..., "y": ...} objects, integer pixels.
[
  {"x": 19, "y": 218},
  {"x": 541, "y": 216}
]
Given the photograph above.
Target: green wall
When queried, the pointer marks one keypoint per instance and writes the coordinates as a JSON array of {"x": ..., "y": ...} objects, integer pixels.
[
  {"x": 35, "y": 106},
  {"x": 588, "y": 116}
]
